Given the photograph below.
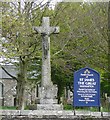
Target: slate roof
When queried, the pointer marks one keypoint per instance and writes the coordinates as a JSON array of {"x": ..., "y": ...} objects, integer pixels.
[{"x": 9, "y": 68}]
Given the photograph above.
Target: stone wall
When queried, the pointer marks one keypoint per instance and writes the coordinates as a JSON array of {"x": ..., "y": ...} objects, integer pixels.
[
  {"x": 9, "y": 91},
  {"x": 53, "y": 115},
  {"x": 75, "y": 118}
]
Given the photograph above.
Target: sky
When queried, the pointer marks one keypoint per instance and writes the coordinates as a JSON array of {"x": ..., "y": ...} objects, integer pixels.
[{"x": 52, "y": 2}]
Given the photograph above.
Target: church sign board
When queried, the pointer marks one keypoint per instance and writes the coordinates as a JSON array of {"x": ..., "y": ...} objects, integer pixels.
[{"x": 86, "y": 88}]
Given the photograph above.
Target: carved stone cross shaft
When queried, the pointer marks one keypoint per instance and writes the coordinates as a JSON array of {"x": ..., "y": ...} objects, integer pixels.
[{"x": 45, "y": 30}]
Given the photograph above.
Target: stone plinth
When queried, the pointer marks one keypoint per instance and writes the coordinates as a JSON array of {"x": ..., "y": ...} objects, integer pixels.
[
  {"x": 48, "y": 98},
  {"x": 48, "y": 101},
  {"x": 49, "y": 107},
  {"x": 49, "y": 92}
]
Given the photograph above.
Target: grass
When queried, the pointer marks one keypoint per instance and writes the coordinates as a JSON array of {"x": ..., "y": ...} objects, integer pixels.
[
  {"x": 92, "y": 109},
  {"x": 66, "y": 107},
  {"x": 7, "y": 108}
]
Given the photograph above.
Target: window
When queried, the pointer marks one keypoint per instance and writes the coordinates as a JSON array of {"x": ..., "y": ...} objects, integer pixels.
[{"x": 1, "y": 90}]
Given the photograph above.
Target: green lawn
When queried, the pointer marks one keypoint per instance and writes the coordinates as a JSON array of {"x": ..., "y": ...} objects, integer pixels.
[
  {"x": 7, "y": 108},
  {"x": 93, "y": 109},
  {"x": 67, "y": 107}
]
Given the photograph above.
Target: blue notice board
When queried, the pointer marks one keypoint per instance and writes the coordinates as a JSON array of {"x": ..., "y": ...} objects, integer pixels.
[{"x": 86, "y": 88}]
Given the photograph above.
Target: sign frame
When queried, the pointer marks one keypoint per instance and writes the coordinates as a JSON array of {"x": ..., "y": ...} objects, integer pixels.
[{"x": 86, "y": 88}]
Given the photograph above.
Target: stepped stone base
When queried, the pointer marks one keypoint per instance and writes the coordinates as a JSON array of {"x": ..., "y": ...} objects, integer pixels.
[{"x": 49, "y": 107}]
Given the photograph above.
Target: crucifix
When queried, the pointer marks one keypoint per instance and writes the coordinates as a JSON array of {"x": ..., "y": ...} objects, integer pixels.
[
  {"x": 46, "y": 30},
  {"x": 47, "y": 91}
]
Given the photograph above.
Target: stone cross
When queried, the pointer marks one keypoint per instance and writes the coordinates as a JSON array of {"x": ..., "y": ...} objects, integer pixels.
[
  {"x": 45, "y": 30},
  {"x": 47, "y": 91}
]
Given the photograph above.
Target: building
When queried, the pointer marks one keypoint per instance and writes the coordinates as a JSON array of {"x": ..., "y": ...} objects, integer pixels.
[{"x": 8, "y": 88}]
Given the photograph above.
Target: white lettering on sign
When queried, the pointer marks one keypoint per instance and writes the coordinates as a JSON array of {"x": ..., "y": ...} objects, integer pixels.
[
  {"x": 86, "y": 87},
  {"x": 87, "y": 75}
]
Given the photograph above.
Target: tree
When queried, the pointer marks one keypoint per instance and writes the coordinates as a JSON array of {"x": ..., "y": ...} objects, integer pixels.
[
  {"x": 83, "y": 38},
  {"x": 20, "y": 42}
]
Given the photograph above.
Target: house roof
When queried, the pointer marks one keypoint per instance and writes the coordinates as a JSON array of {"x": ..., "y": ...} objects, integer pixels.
[{"x": 11, "y": 69}]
